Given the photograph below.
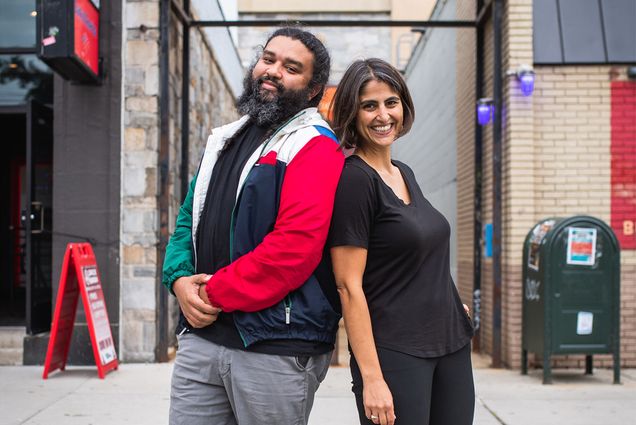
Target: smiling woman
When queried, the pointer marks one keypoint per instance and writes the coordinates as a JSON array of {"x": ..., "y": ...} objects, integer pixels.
[
  {"x": 407, "y": 328},
  {"x": 359, "y": 81},
  {"x": 381, "y": 115}
]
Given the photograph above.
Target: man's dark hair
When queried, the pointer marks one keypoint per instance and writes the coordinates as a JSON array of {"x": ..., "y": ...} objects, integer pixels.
[{"x": 322, "y": 61}]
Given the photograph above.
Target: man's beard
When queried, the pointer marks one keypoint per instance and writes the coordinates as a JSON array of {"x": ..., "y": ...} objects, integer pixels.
[{"x": 270, "y": 112}]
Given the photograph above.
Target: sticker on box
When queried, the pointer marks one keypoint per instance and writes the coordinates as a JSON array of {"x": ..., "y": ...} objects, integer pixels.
[{"x": 584, "y": 323}]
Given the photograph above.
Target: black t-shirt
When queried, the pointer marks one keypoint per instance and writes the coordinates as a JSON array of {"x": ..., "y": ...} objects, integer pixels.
[
  {"x": 213, "y": 242},
  {"x": 413, "y": 303}
]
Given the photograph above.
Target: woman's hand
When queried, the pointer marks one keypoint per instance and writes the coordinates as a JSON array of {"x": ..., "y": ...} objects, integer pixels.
[
  {"x": 349, "y": 263},
  {"x": 378, "y": 402}
]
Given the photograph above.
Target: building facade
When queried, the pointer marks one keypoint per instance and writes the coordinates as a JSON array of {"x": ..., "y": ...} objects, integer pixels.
[
  {"x": 98, "y": 165},
  {"x": 112, "y": 161},
  {"x": 567, "y": 149}
]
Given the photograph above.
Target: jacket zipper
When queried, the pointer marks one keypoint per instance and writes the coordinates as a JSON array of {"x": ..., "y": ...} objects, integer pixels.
[{"x": 288, "y": 306}]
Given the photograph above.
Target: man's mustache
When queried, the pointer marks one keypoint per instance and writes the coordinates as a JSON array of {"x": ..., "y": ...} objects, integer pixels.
[{"x": 272, "y": 81}]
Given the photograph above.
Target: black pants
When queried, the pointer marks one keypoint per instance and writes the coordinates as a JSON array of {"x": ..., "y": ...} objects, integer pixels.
[{"x": 432, "y": 391}]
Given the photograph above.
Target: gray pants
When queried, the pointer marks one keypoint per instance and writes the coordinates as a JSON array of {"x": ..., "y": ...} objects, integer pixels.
[{"x": 215, "y": 385}]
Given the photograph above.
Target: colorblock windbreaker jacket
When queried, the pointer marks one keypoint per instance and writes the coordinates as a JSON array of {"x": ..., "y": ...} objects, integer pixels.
[{"x": 279, "y": 225}]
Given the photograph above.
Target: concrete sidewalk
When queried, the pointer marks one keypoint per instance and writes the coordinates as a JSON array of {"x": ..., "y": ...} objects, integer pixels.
[{"x": 139, "y": 394}]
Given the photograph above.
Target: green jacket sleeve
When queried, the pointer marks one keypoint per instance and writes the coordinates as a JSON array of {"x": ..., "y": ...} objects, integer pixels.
[{"x": 179, "y": 259}]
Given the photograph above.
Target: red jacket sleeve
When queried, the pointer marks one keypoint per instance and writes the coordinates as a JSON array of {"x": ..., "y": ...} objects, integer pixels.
[{"x": 288, "y": 255}]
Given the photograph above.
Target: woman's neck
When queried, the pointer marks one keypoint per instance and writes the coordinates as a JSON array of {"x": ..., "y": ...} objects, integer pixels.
[{"x": 379, "y": 159}]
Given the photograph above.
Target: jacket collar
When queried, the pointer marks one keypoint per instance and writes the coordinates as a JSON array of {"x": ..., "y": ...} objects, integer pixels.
[{"x": 305, "y": 118}]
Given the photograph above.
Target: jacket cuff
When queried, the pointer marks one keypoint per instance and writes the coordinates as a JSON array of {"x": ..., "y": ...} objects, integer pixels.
[{"x": 170, "y": 276}]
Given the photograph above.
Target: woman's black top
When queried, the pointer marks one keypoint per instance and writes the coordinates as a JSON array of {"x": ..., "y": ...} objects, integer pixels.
[{"x": 413, "y": 302}]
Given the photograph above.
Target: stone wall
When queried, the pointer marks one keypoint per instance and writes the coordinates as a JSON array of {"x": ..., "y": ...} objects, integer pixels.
[
  {"x": 139, "y": 180},
  {"x": 210, "y": 105}
]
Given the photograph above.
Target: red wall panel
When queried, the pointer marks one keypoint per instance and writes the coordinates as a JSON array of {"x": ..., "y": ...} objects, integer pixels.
[{"x": 623, "y": 153}]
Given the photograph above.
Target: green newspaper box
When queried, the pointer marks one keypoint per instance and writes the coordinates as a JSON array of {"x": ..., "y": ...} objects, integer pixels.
[{"x": 571, "y": 292}]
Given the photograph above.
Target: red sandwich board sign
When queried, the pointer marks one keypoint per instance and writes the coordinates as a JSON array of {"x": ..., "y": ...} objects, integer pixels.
[{"x": 79, "y": 276}]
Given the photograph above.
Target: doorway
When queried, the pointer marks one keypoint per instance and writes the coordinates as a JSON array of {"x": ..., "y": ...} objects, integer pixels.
[{"x": 26, "y": 184}]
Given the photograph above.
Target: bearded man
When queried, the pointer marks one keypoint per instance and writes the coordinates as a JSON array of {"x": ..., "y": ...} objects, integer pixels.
[{"x": 259, "y": 311}]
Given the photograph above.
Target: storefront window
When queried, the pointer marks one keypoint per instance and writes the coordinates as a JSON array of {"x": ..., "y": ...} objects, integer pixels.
[
  {"x": 24, "y": 77},
  {"x": 17, "y": 23}
]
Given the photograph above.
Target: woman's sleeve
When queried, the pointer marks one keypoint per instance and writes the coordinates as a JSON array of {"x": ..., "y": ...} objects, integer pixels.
[{"x": 354, "y": 209}]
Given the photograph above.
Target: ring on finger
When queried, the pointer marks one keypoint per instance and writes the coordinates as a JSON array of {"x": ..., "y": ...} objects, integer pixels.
[{"x": 374, "y": 418}]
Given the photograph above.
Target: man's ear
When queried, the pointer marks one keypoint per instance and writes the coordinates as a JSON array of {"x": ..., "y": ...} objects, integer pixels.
[{"x": 314, "y": 92}]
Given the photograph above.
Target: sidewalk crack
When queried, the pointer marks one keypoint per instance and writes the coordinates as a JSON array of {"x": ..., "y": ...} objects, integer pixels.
[
  {"x": 81, "y": 384},
  {"x": 494, "y": 415}
]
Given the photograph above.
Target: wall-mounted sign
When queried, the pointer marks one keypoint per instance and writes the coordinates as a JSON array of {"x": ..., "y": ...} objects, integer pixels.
[
  {"x": 86, "y": 34},
  {"x": 68, "y": 38}
]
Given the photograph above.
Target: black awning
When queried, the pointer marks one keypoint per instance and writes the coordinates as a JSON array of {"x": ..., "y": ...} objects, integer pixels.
[{"x": 584, "y": 31}]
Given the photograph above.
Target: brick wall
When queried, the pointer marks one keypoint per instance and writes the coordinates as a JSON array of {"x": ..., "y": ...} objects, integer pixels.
[
  {"x": 556, "y": 162},
  {"x": 465, "y": 145},
  {"x": 487, "y": 196},
  {"x": 518, "y": 170},
  {"x": 573, "y": 144}
]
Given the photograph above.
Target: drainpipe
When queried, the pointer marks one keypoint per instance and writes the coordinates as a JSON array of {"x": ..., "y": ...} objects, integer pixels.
[
  {"x": 478, "y": 174},
  {"x": 497, "y": 182},
  {"x": 163, "y": 163},
  {"x": 185, "y": 104}
]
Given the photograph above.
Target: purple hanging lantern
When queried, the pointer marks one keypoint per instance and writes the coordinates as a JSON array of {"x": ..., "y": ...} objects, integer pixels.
[
  {"x": 485, "y": 110},
  {"x": 526, "y": 81}
]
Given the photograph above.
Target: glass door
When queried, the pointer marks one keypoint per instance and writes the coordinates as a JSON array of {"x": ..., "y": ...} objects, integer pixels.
[{"x": 36, "y": 216}]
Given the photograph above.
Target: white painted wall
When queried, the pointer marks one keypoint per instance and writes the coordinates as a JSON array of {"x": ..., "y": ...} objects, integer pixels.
[
  {"x": 222, "y": 40},
  {"x": 430, "y": 148}
]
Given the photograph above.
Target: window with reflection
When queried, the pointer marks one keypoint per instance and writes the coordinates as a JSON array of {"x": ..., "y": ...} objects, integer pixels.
[
  {"x": 17, "y": 23},
  {"x": 24, "y": 77}
]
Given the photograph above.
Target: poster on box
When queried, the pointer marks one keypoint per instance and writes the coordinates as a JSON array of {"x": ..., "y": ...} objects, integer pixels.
[
  {"x": 538, "y": 233},
  {"x": 581, "y": 249}
]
